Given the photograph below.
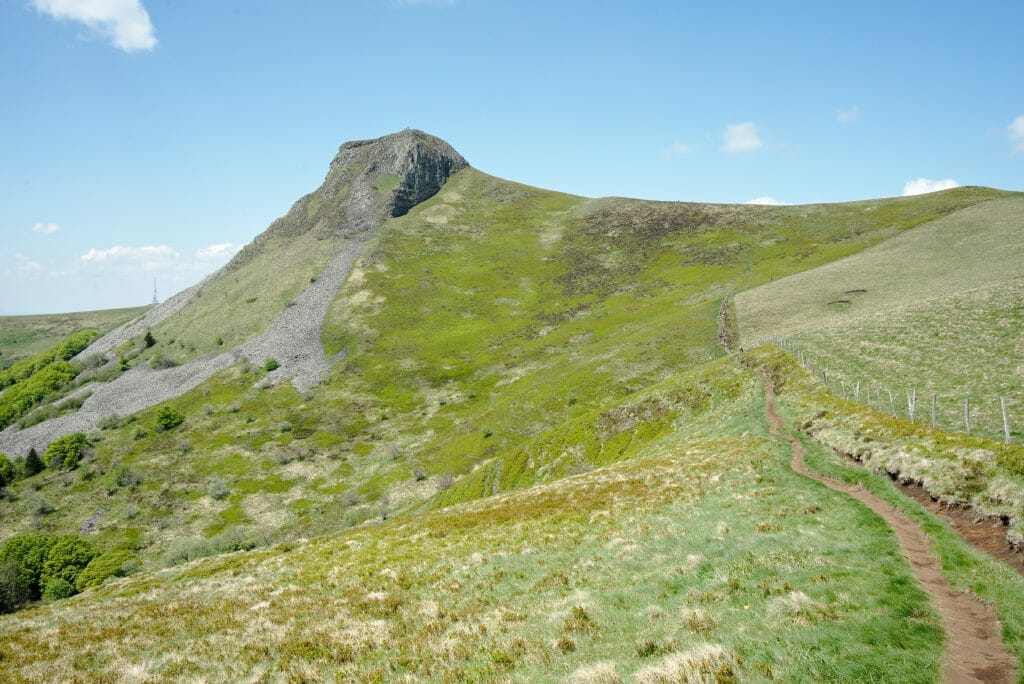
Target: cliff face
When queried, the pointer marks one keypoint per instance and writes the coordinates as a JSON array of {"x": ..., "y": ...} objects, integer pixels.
[{"x": 367, "y": 182}]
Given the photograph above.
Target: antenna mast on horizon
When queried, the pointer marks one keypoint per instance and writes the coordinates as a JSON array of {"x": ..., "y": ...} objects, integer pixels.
[{"x": 155, "y": 301}]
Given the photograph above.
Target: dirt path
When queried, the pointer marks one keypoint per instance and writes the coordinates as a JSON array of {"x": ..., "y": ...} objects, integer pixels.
[{"x": 974, "y": 644}]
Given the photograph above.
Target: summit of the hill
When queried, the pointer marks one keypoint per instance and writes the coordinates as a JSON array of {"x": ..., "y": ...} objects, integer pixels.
[{"x": 407, "y": 167}]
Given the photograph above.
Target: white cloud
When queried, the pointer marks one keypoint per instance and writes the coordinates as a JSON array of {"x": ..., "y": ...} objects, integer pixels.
[
  {"x": 155, "y": 259},
  {"x": 1016, "y": 132},
  {"x": 845, "y": 116},
  {"x": 768, "y": 201},
  {"x": 920, "y": 186},
  {"x": 119, "y": 253},
  {"x": 741, "y": 137},
  {"x": 677, "y": 149},
  {"x": 124, "y": 22},
  {"x": 219, "y": 252},
  {"x": 46, "y": 228},
  {"x": 24, "y": 264}
]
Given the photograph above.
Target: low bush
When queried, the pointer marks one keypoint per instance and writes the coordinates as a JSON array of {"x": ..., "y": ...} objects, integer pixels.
[
  {"x": 116, "y": 563},
  {"x": 58, "y": 588},
  {"x": 66, "y": 451},
  {"x": 167, "y": 418}
]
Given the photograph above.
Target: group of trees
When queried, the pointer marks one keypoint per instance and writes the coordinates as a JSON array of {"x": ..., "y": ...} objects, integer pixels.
[
  {"x": 25, "y": 368},
  {"x": 34, "y": 566},
  {"x": 29, "y": 381},
  {"x": 64, "y": 453}
]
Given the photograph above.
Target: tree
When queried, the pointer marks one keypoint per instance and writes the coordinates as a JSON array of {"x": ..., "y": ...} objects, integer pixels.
[
  {"x": 22, "y": 558},
  {"x": 167, "y": 418},
  {"x": 13, "y": 593},
  {"x": 66, "y": 451},
  {"x": 33, "y": 464},
  {"x": 7, "y": 471}
]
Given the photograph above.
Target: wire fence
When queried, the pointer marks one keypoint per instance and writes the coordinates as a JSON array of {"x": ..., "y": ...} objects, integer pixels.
[{"x": 987, "y": 416}]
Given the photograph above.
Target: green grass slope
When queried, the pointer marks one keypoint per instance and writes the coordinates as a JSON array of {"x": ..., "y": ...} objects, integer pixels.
[
  {"x": 492, "y": 331},
  {"x": 941, "y": 313},
  {"x": 23, "y": 336},
  {"x": 702, "y": 551}
]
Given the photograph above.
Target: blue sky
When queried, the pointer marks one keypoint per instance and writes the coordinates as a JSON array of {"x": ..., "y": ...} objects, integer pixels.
[{"x": 151, "y": 138}]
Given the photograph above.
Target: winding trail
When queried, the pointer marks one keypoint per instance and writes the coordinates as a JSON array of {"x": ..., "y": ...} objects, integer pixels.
[{"x": 974, "y": 644}]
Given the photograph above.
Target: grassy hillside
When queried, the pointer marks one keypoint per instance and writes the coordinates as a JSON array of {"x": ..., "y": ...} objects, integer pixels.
[
  {"x": 546, "y": 471},
  {"x": 23, "y": 336},
  {"x": 488, "y": 330},
  {"x": 703, "y": 551},
  {"x": 937, "y": 309}
]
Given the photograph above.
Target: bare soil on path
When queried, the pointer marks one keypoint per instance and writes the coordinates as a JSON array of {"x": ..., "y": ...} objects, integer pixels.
[{"x": 974, "y": 644}]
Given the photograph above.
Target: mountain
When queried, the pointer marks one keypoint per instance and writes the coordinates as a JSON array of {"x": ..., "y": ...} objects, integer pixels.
[{"x": 498, "y": 439}]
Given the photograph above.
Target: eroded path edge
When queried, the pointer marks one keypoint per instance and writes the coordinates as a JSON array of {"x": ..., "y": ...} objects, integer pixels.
[{"x": 974, "y": 649}]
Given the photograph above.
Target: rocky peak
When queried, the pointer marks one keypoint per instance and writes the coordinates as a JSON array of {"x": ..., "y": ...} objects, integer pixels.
[
  {"x": 403, "y": 169},
  {"x": 367, "y": 182}
]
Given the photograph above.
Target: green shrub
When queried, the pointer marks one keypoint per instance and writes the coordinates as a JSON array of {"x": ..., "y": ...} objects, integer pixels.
[
  {"x": 148, "y": 339},
  {"x": 117, "y": 563},
  {"x": 40, "y": 505},
  {"x": 167, "y": 418},
  {"x": 126, "y": 477},
  {"x": 271, "y": 365},
  {"x": 58, "y": 588},
  {"x": 7, "y": 471},
  {"x": 66, "y": 451},
  {"x": 108, "y": 422},
  {"x": 66, "y": 559},
  {"x": 217, "y": 487}
]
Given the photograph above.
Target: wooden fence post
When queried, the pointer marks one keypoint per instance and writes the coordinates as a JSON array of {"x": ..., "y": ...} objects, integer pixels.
[
  {"x": 892, "y": 404},
  {"x": 933, "y": 409},
  {"x": 1006, "y": 419},
  {"x": 967, "y": 414},
  {"x": 843, "y": 383},
  {"x": 856, "y": 391},
  {"x": 911, "y": 403}
]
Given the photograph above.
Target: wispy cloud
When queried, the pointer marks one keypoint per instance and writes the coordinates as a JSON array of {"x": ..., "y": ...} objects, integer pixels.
[
  {"x": 120, "y": 253},
  {"x": 156, "y": 259},
  {"x": 741, "y": 137},
  {"x": 125, "y": 23},
  {"x": 768, "y": 201},
  {"x": 851, "y": 115},
  {"x": 920, "y": 186},
  {"x": 1016, "y": 132},
  {"x": 46, "y": 228},
  {"x": 25, "y": 265},
  {"x": 676, "y": 149}
]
